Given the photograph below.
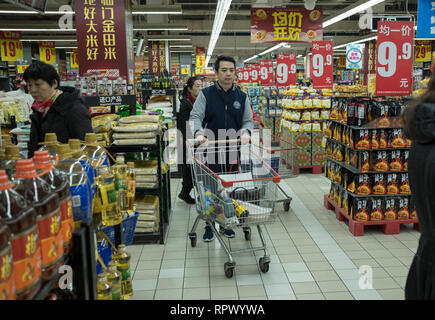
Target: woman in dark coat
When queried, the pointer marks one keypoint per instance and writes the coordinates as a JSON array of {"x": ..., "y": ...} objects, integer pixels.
[
  {"x": 190, "y": 92},
  {"x": 419, "y": 118},
  {"x": 56, "y": 109}
]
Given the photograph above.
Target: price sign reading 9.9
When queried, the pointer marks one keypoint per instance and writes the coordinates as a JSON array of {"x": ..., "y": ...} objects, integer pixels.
[
  {"x": 266, "y": 72},
  {"x": 285, "y": 70},
  {"x": 322, "y": 64},
  {"x": 239, "y": 73},
  {"x": 255, "y": 73},
  {"x": 247, "y": 75},
  {"x": 394, "y": 58}
]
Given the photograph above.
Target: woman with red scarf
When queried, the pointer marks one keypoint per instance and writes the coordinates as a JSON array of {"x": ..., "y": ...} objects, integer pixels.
[
  {"x": 190, "y": 92},
  {"x": 56, "y": 109}
]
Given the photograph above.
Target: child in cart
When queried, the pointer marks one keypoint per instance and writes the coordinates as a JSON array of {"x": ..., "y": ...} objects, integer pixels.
[{"x": 222, "y": 106}]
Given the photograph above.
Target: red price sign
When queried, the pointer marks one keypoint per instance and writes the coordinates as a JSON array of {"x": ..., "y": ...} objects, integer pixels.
[
  {"x": 249, "y": 71},
  {"x": 255, "y": 73},
  {"x": 239, "y": 73},
  {"x": 266, "y": 72},
  {"x": 285, "y": 70},
  {"x": 394, "y": 58},
  {"x": 321, "y": 64}
]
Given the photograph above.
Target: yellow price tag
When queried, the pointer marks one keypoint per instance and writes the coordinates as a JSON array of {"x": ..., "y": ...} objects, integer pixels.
[
  {"x": 74, "y": 60},
  {"x": 21, "y": 68},
  {"x": 423, "y": 53},
  {"x": 11, "y": 50},
  {"x": 47, "y": 55},
  {"x": 184, "y": 70}
]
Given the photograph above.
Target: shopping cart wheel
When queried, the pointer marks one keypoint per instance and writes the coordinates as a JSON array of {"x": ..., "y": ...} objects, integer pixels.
[
  {"x": 247, "y": 232},
  {"x": 287, "y": 205},
  {"x": 264, "y": 264},
  {"x": 192, "y": 237},
  {"x": 229, "y": 269}
]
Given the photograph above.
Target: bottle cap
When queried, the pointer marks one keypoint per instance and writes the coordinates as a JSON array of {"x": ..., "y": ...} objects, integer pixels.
[
  {"x": 63, "y": 151},
  {"x": 74, "y": 144},
  {"x": 91, "y": 137},
  {"x": 50, "y": 139},
  {"x": 41, "y": 159},
  {"x": 4, "y": 181},
  {"x": 130, "y": 164},
  {"x": 25, "y": 169},
  {"x": 6, "y": 140},
  {"x": 12, "y": 152}
]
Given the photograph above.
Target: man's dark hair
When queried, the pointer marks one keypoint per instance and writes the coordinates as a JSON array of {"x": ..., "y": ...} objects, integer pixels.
[
  {"x": 40, "y": 70},
  {"x": 223, "y": 58}
]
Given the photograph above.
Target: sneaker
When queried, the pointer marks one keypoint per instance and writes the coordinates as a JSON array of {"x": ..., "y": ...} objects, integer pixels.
[
  {"x": 227, "y": 232},
  {"x": 208, "y": 235},
  {"x": 187, "y": 198}
]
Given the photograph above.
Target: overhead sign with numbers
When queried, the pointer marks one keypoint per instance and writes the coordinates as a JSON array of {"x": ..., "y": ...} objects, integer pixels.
[
  {"x": 47, "y": 52},
  {"x": 247, "y": 74},
  {"x": 266, "y": 72},
  {"x": 321, "y": 65},
  {"x": 11, "y": 48},
  {"x": 255, "y": 73},
  {"x": 394, "y": 58},
  {"x": 285, "y": 70},
  {"x": 423, "y": 51},
  {"x": 239, "y": 73}
]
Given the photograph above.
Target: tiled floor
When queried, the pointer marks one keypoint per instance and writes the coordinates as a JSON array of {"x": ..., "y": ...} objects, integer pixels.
[{"x": 313, "y": 256}]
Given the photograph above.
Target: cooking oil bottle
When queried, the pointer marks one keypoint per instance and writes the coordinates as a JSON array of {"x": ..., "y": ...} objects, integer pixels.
[
  {"x": 122, "y": 260},
  {"x": 110, "y": 213},
  {"x": 50, "y": 143},
  {"x": 114, "y": 277},
  {"x": 104, "y": 290},
  {"x": 120, "y": 170},
  {"x": 95, "y": 153},
  {"x": 131, "y": 186}
]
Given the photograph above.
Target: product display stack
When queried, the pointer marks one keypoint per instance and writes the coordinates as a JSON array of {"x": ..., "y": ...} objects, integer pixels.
[{"x": 367, "y": 163}]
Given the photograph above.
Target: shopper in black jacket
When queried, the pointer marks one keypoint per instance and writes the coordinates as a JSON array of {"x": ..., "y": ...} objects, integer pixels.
[
  {"x": 56, "y": 109},
  {"x": 419, "y": 118},
  {"x": 190, "y": 92}
]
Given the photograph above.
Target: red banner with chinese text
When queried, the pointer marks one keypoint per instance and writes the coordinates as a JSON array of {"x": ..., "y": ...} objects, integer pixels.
[
  {"x": 286, "y": 25},
  {"x": 266, "y": 72},
  {"x": 394, "y": 58},
  {"x": 200, "y": 61},
  {"x": 321, "y": 65},
  {"x": 285, "y": 70}
]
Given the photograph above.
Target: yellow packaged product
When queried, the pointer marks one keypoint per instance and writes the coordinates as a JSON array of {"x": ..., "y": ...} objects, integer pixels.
[
  {"x": 308, "y": 103},
  {"x": 317, "y": 103},
  {"x": 306, "y": 127},
  {"x": 306, "y": 116},
  {"x": 315, "y": 115},
  {"x": 324, "y": 114}
]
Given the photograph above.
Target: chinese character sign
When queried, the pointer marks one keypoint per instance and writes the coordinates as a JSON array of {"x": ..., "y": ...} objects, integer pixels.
[
  {"x": 285, "y": 70},
  {"x": 286, "y": 25},
  {"x": 354, "y": 56},
  {"x": 423, "y": 51},
  {"x": 11, "y": 48},
  {"x": 156, "y": 56},
  {"x": 394, "y": 58},
  {"x": 102, "y": 36},
  {"x": 47, "y": 52},
  {"x": 200, "y": 60},
  {"x": 74, "y": 59},
  {"x": 321, "y": 65},
  {"x": 426, "y": 19},
  {"x": 266, "y": 72}
]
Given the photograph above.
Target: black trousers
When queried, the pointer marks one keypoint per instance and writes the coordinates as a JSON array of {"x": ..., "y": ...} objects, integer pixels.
[
  {"x": 420, "y": 284},
  {"x": 187, "y": 182}
]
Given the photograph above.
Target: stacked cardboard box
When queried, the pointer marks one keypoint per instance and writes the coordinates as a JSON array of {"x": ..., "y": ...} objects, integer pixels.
[{"x": 318, "y": 151}]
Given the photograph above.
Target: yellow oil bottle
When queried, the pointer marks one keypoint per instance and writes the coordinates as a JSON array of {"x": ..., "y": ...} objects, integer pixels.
[
  {"x": 122, "y": 260},
  {"x": 120, "y": 170},
  {"x": 114, "y": 278},
  {"x": 131, "y": 186},
  {"x": 106, "y": 194},
  {"x": 104, "y": 290}
]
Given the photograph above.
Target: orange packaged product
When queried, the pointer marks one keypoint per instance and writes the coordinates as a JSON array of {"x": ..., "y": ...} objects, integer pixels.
[
  {"x": 46, "y": 203},
  {"x": 376, "y": 210},
  {"x": 360, "y": 210},
  {"x": 396, "y": 161},
  {"x": 405, "y": 157},
  {"x": 397, "y": 139},
  {"x": 390, "y": 209},
  {"x": 375, "y": 143},
  {"x": 379, "y": 184},
  {"x": 363, "y": 185},
  {"x": 403, "y": 212},
  {"x": 412, "y": 210},
  {"x": 362, "y": 140},
  {"x": 392, "y": 184},
  {"x": 364, "y": 161},
  {"x": 21, "y": 219},
  {"x": 346, "y": 202},
  {"x": 383, "y": 141},
  {"x": 380, "y": 161},
  {"x": 404, "y": 186}
]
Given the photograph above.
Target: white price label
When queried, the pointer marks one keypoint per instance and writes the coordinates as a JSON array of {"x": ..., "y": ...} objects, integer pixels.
[
  {"x": 254, "y": 75},
  {"x": 245, "y": 75},
  {"x": 282, "y": 73},
  {"x": 263, "y": 73},
  {"x": 318, "y": 65},
  {"x": 388, "y": 56}
]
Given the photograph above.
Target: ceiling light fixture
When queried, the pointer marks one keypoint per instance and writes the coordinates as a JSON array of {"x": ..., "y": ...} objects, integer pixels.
[
  {"x": 355, "y": 42},
  {"x": 169, "y": 39},
  {"x": 37, "y": 30},
  {"x": 139, "y": 47},
  {"x": 351, "y": 12},
  {"x": 72, "y": 12},
  {"x": 221, "y": 12},
  {"x": 251, "y": 58},
  {"x": 181, "y": 46},
  {"x": 163, "y": 28},
  {"x": 56, "y": 40},
  {"x": 273, "y": 48}
]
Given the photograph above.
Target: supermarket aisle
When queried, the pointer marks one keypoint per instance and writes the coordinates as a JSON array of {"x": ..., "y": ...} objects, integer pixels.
[{"x": 313, "y": 256}]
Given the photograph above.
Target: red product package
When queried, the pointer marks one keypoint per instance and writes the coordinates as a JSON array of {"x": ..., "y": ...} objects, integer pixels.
[
  {"x": 396, "y": 139},
  {"x": 375, "y": 143},
  {"x": 362, "y": 140},
  {"x": 360, "y": 210},
  {"x": 405, "y": 157},
  {"x": 396, "y": 161},
  {"x": 403, "y": 212},
  {"x": 379, "y": 184},
  {"x": 364, "y": 161},
  {"x": 392, "y": 184},
  {"x": 376, "y": 210},
  {"x": 363, "y": 185},
  {"x": 404, "y": 186},
  {"x": 383, "y": 141},
  {"x": 412, "y": 210},
  {"x": 380, "y": 161},
  {"x": 390, "y": 209}
]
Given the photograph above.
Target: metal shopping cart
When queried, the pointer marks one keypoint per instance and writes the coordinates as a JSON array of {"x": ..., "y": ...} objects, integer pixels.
[
  {"x": 235, "y": 188},
  {"x": 280, "y": 154}
]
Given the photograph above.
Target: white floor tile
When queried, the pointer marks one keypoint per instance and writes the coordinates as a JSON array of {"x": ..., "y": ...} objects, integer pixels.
[
  {"x": 172, "y": 273},
  {"x": 300, "y": 277},
  {"x": 246, "y": 280}
]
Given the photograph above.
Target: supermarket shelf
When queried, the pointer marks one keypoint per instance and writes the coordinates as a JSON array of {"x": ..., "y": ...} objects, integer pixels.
[
  {"x": 383, "y": 149},
  {"x": 370, "y": 195},
  {"x": 132, "y": 148},
  {"x": 110, "y": 100},
  {"x": 159, "y": 92},
  {"x": 357, "y": 171},
  {"x": 147, "y": 191},
  {"x": 365, "y": 127}
]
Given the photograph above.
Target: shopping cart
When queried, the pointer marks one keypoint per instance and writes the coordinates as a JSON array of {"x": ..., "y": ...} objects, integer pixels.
[
  {"x": 235, "y": 188},
  {"x": 280, "y": 154}
]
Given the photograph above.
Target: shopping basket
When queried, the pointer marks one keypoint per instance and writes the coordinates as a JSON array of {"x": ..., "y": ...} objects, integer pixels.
[
  {"x": 235, "y": 188},
  {"x": 280, "y": 154}
]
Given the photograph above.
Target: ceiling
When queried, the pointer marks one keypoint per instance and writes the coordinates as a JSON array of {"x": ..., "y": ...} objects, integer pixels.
[{"x": 198, "y": 17}]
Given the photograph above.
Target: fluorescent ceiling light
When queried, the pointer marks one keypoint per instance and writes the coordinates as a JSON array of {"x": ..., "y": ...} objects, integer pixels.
[
  {"x": 351, "y": 12},
  {"x": 299, "y": 56},
  {"x": 162, "y": 28},
  {"x": 66, "y": 47},
  {"x": 57, "y": 40},
  {"x": 37, "y": 30},
  {"x": 251, "y": 58},
  {"x": 273, "y": 48},
  {"x": 355, "y": 42},
  {"x": 181, "y": 46},
  {"x": 157, "y": 12},
  {"x": 139, "y": 47},
  {"x": 179, "y": 51},
  {"x": 169, "y": 39},
  {"x": 221, "y": 13},
  {"x": 72, "y": 12}
]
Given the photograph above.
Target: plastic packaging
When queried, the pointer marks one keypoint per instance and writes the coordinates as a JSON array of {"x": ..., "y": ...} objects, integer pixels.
[
  {"x": 106, "y": 194},
  {"x": 104, "y": 290},
  {"x": 114, "y": 277},
  {"x": 122, "y": 260},
  {"x": 7, "y": 280}
]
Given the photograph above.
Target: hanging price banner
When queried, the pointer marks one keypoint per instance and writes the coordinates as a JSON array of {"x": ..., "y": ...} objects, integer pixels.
[
  {"x": 247, "y": 74},
  {"x": 255, "y": 73},
  {"x": 423, "y": 51},
  {"x": 47, "y": 52},
  {"x": 74, "y": 60},
  {"x": 11, "y": 48},
  {"x": 266, "y": 72},
  {"x": 239, "y": 73},
  {"x": 394, "y": 58},
  {"x": 21, "y": 68},
  {"x": 285, "y": 70},
  {"x": 321, "y": 64}
]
